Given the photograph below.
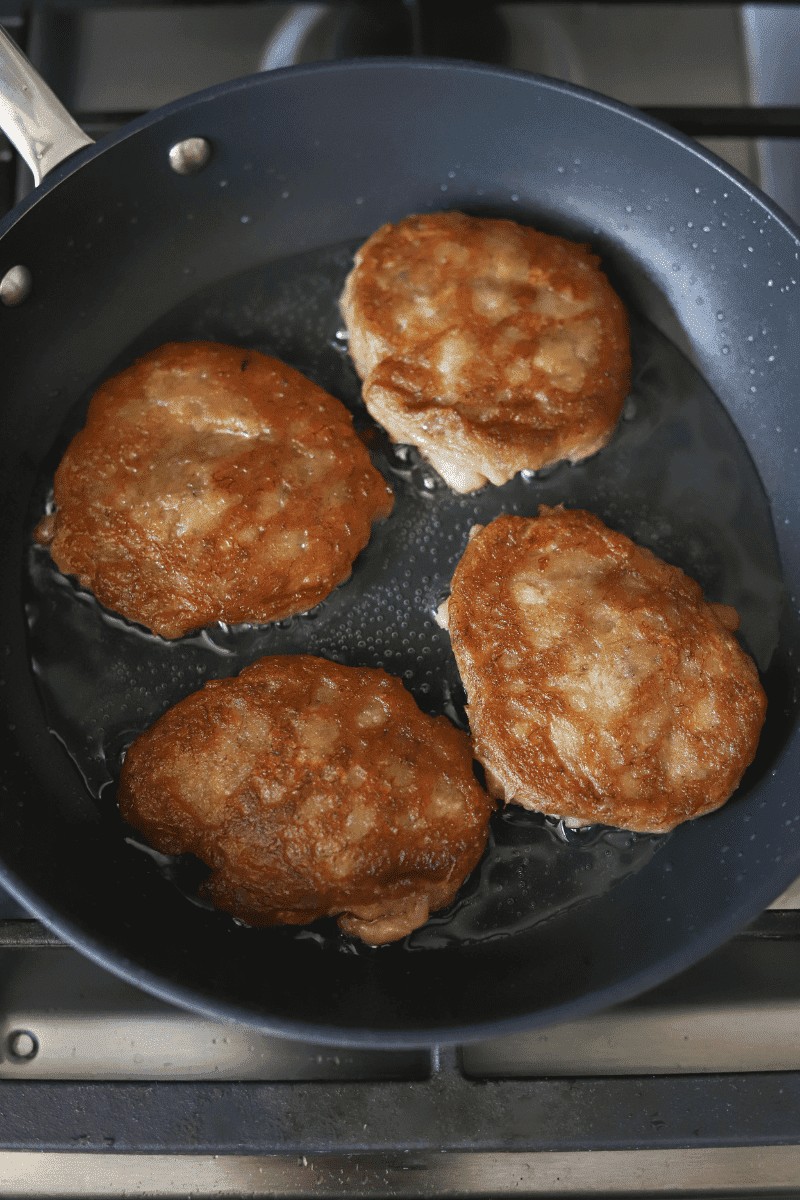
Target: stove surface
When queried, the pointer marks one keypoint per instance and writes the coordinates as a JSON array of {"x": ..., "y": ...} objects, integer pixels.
[{"x": 661, "y": 56}]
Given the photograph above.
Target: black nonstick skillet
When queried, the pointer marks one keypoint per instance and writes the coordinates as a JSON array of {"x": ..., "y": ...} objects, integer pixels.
[{"x": 233, "y": 215}]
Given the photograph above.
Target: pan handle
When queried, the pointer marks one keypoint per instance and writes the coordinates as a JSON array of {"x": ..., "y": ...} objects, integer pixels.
[{"x": 30, "y": 115}]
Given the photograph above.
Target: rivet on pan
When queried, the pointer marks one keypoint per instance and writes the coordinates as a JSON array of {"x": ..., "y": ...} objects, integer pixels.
[
  {"x": 15, "y": 286},
  {"x": 190, "y": 156},
  {"x": 22, "y": 1045}
]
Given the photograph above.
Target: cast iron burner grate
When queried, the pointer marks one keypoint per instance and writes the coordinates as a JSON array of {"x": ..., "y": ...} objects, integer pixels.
[
  {"x": 49, "y": 31},
  {"x": 694, "y": 1088}
]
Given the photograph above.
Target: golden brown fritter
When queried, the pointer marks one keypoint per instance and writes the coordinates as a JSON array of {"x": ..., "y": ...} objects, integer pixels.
[
  {"x": 602, "y": 686},
  {"x": 312, "y": 790},
  {"x": 212, "y": 483},
  {"x": 491, "y": 347}
]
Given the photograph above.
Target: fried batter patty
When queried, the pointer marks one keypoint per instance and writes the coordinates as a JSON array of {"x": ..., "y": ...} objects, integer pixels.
[
  {"x": 602, "y": 686},
  {"x": 491, "y": 347},
  {"x": 312, "y": 790},
  {"x": 212, "y": 483}
]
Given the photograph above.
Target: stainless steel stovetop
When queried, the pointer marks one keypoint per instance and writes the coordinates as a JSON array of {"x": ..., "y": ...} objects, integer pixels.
[{"x": 692, "y": 1090}]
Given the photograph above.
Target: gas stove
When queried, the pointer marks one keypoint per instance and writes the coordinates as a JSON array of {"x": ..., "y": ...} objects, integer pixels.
[{"x": 692, "y": 1089}]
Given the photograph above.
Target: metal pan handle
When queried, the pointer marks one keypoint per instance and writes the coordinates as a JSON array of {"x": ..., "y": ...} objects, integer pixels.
[{"x": 30, "y": 115}]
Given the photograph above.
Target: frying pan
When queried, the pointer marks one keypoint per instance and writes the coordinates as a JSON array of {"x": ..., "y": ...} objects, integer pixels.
[{"x": 248, "y": 241}]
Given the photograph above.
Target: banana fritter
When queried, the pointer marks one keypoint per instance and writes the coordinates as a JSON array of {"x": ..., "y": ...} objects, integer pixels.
[
  {"x": 491, "y": 347},
  {"x": 311, "y": 790},
  {"x": 212, "y": 483},
  {"x": 602, "y": 686}
]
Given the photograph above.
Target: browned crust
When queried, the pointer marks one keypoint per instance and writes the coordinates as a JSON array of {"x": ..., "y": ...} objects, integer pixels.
[
  {"x": 602, "y": 686},
  {"x": 312, "y": 789},
  {"x": 212, "y": 483},
  {"x": 544, "y": 362}
]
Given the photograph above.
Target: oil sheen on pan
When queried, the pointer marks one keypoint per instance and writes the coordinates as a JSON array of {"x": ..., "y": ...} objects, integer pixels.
[{"x": 675, "y": 477}]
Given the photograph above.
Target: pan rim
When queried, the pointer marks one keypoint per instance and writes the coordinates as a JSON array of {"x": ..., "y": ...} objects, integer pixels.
[
  {"x": 103, "y": 954},
  {"x": 207, "y": 95},
  {"x": 711, "y": 936}
]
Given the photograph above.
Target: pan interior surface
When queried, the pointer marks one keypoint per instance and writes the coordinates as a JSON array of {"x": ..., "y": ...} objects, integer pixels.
[
  {"x": 676, "y": 477},
  {"x": 253, "y": 250}
]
